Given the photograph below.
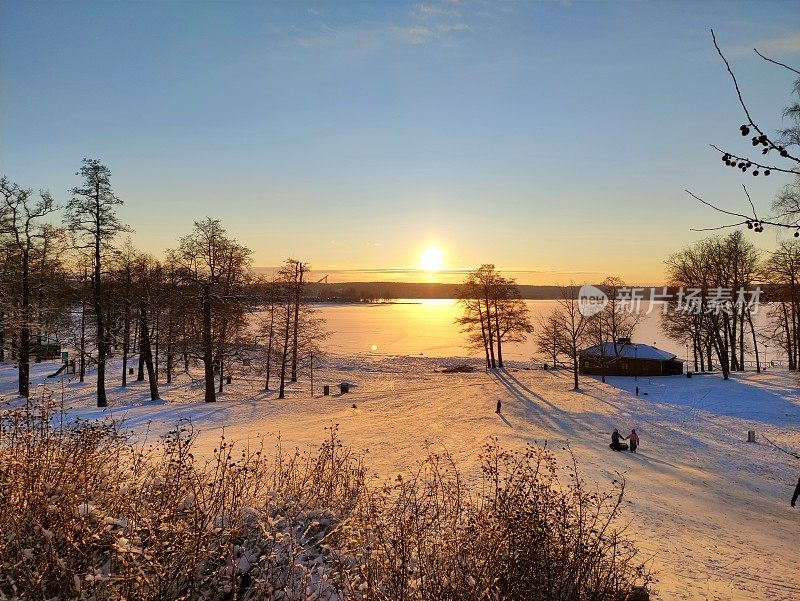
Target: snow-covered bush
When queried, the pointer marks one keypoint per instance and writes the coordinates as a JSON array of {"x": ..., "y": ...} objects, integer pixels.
[
  {"x": 85, "y": 513},
  {"x": 530, "y": 531}
]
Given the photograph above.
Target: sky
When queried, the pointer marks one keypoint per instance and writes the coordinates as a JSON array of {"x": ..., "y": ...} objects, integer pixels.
[{"x": 553, "y": 139}]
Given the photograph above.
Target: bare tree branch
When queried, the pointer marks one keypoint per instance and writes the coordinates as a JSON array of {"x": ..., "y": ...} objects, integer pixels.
[{"x": 775, "y": 62}]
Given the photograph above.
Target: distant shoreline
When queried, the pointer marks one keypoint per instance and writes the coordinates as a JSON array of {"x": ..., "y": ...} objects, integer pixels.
[{"x": 392, "y": 291}]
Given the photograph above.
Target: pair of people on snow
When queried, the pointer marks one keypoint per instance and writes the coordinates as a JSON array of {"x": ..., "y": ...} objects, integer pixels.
[{"x": 618, "y": 445}]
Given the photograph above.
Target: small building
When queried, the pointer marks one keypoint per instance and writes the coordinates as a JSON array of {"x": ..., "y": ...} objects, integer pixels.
[{"x": 626, "y": 358}]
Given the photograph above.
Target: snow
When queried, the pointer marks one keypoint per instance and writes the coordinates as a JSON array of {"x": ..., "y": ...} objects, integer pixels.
[{"x": 710, "y": 510}]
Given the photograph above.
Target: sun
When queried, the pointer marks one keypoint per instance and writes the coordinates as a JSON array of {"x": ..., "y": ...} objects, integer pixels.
[{"x": 431, "y": 258}]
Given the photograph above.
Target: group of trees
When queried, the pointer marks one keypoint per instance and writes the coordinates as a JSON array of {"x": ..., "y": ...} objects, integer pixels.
[
  {"x": 732, "y": 280},
  {"x": 714, "y": 314},
  {"x": 733, "y": 261},
  {"x": 494, "y": 313},
  {"x": 78, "y": 286},
  {"x": 567, "y": 329}
]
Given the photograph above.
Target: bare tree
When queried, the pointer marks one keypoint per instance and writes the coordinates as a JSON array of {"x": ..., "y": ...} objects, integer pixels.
[
  {"x": 300, "y": 270},
  {"x": 494, "y": 313},
  {"x": 295, "y": 330},
  {"x": 712, "y": 267},
  {"x": 574, "y": 327},
  {"x": 215, "y": 267},
  {"x": 21, "y": 224},
  {"x": 550, "y": 337},
  {"x": 124, "y": 281},
  {"x": 92, "y": 219},
  {"x": 781, "y": 271}
]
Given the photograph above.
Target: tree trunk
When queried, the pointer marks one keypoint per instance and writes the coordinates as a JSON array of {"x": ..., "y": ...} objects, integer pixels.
[
  {"x": 83, "y": 328},
  {"x": 208, "y": 347},
  {"x": 787, "y": 330},
  {"x": 147, "y": 352},
  {"x": 719, "y": 341},
  {"x": 282, "y": 392},
  {"x": 298, "y": 291},
  {"x": 741, "y": 338},
  {"x": 158, "y": 338},
  {"x": 97, "y": 299},
  {"x": 498, "y": 336},
  {"x": 23, "y": 364},
  {"x": 575, "y": 364},
  {"x": 170, "y": 334},
  {"x": 269, "y": 343},
  {"x": 221, "y": 351},
  {"x": 493, "y": 364},
  {"x": 126, "y": 335},
  {"x": 755, "y": 343},
  {"x": 483, "y": 335}
]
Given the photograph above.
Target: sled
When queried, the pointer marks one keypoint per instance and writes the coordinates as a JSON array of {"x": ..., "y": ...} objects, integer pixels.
[{"x": 622, "y": 447}]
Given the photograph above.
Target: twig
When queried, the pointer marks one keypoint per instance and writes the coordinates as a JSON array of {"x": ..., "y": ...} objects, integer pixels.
[
  {"x": 705, "y": 202},
  {"x": 750, "y": 200},
  {"x": 747, "y": 219},
  {"x": 735, "y": 83},
  {"x": 775, "y": 62},
  {"x": 744, "y": 106}
]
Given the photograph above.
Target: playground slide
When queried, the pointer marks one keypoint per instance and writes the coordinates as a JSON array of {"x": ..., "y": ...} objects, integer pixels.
[{"x": 60, "y": 369}]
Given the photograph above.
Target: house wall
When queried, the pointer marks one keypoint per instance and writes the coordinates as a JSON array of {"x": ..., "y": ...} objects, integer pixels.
[{"x": 623, "y": 366}]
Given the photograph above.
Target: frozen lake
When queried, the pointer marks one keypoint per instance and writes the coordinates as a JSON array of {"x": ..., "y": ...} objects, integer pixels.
[{"x": 428, "y": 328}]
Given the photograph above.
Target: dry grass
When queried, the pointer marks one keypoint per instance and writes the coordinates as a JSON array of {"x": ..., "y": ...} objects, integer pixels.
[{"x": 87, "y": 514}]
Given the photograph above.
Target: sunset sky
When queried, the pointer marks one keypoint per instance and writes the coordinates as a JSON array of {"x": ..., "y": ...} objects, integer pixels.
[{"x": 554, "y": 139}]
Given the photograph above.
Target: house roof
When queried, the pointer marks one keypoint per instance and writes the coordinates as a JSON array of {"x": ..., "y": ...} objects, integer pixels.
[{"x": 629, "y": 351}]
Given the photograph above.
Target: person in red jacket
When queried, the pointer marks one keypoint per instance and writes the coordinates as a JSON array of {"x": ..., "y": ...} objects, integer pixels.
[{"x": 633, "y": 437}]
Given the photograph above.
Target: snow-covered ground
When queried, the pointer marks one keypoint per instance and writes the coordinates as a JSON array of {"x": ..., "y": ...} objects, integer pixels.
[{"x": 710, "y": 509}]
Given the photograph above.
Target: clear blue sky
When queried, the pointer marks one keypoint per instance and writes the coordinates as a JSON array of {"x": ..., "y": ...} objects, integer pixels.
[{"x": 551, "y": 138}]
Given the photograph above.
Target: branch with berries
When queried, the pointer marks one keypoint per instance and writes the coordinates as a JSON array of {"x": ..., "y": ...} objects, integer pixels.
[
  {"x": 754, "y": 223},
  {"x": 767, "y": 145}
]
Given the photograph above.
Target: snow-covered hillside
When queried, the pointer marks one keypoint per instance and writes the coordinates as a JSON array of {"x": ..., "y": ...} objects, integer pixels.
[{"x": 710, "y": 509}]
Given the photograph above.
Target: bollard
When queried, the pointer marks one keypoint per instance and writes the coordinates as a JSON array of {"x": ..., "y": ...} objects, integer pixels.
[
  {"x": 751, "y": 436},
  {"x": 326, "y": 390}
]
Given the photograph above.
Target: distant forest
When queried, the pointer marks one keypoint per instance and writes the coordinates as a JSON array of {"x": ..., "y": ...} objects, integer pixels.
[{"x": 391, "y": 291}]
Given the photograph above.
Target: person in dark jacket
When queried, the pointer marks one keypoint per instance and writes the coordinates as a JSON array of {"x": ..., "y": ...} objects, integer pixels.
[
  {"x": 796, "y": 492},
  {"x": 615, "y": 441},
  {"x": 499, "y": 405}
]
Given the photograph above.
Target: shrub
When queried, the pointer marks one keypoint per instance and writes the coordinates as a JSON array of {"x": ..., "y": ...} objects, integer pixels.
[{"x": 89, "y": 513}]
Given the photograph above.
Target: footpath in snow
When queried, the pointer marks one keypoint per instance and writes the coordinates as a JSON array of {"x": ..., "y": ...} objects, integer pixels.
[{"x": 710, "y": 510}]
